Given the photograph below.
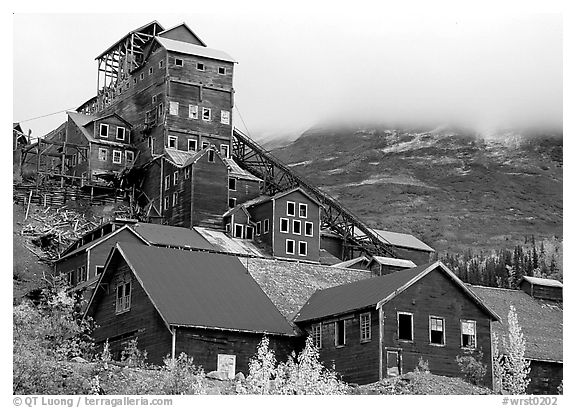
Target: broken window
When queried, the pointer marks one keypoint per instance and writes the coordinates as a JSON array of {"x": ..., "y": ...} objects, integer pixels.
[
  {"x": 365, "y": 327},
  {"x": 284, "y": 225},
  {"x": 316, "y": 334},
  {"x": 290, "y": 246},
  {"x": 405, "y": 326},
  {"x": 225, "y": 117},
  {"x": 123, "y": 296},
  {"x": 340, "y": 333},
  {"x": 290, "y": 209},
  {"x": 102, "y": 154},
  {"x": 468, "y": 328},
  {"x": 296, "y": 227},
  {"x": 193, "y": 111},
  {"x": 103, "y": 130},
  {"x": 436, "y": 330},
  {"x": 308, "y": 229},
  {"x": 206, "y": 114},
  {"x": 129, "y": 157},
  {"x": 116, "y": 156},
  {"x": 173, "y": 142},
  {"x": 302, "y": 248}
]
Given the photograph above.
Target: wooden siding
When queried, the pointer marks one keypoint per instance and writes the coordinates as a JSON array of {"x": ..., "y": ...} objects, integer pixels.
[
  {"x": 209, "y": 192},
  {"x": 245, "y": 190},
  {"x": 142, "y": 320},
  {"x": 208, "y": 77},
  {"x": 181, "y": 33},
  {"x": 71, "y": 264},
  {"x": 205, "y": 345},
  {"x": 99, "y": 254},
  {"x": 152, "y": 184},
  {"x": 545, "y": 377},
  {"x": 260, "y": 213},
  {"x": 541, "y": 291}
]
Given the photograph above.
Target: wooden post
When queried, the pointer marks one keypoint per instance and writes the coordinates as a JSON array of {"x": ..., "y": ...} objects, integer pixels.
[
  {"x": 380, "y": 338},
  {"x": 28, "y": 207},
  {"x": 173, "y": 343}
]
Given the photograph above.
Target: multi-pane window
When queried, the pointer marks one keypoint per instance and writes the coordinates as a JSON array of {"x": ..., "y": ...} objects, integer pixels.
[
  {"x": 316, "y": 334},
  {"x": 232, "y": 184},
  {"x": 166, "y": 182},
  {"x": 103, "y": 130},
  {"x": 174, "y": 108},
  {"x": 308, "y": 229},
  {"x": 206, "y": 114},
  {"x": 129, "y": 156},
  {"x": 296, "y": 227},
  {"x": 116, "y": 156},
  {"x": 193, "y": 111},
  {"x": 266, "y": 225},
  {"x": 192, "y": 145},
  {"x": 303, "y": 210},
  {"x": 225, "y": 117},
  {"x": 365, "y": 327},
  {"x": 173, "y": 141},
  {"x": 123, "y": 295},
  {"x": 468, "y": 328},
  {"x": 340, "y": 333},
  {"x": 284, "y": 225},
  {"x": 120, "y": 133},
  {"x": 302, "y": 248},
  {"x": 102, "y": 154},
  {"x": 405, "y": 328},
  {"x": 290, "y": 246},
  {"x": 291, "y": 208},
  {"x": 436, "y": 330}
]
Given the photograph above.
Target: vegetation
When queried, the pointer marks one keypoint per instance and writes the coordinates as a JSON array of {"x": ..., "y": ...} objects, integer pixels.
[{"x": 472, "y": 368}]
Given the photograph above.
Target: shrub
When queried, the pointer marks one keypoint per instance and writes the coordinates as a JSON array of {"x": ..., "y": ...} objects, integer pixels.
[
  {"x": 472, "y": 367},
  {"x": 422, "y": 366},
  {"x": 131, "y": 355}
]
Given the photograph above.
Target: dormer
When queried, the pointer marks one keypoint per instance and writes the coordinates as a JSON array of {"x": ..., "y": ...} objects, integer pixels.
[{"x": 111, "y": 128}]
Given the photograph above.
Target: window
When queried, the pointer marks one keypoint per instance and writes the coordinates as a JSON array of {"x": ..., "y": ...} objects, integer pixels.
[
  {"x": 129, "y": 157},
  {"x": 232, "y": 184},
  {"x": 200, "y": 66},
  {"x": 290, "y": 208},
  {"x": 340, "y": 333},
  {"x": 161, "y": 64},
  {"x": 116, "y": 156},
  {"x": 154, "y": 99},
  {"x": 211, "y": 156},
  {"x": 166, "y": 182},
  {"x": 206, "y": 114},
  {"x": 365, "y": 327},
  {"x": 174, "y": 199},
  {"x": 192, "y": 145},
  {"x": 222, "y": 70},
  {"x": 120, "y": 133},
  {"x": 225, "y": 117},
  {"x": 186, "y": 173},
  {"x": 284, "y": 225},
  {"x": 316, "y": 335},
  {"x": 224, "y": 149},
  {"x": 266, "y": 225},
  {"x": 308, "y": 229},
  {"x": 173, "y": 141},
  {"x": 249, "y": 232},
  {"x": 102, "y": 154},
  {"x": 405, "y": 331},
  {"x": 150, "y": 71},
  {"x": 437, "y": 330},
  {"x": 176, "y": 177},
  {"x": 161, "y": 111},
  {"x": 302, "y": 248},
  {"x": 82, "y": 276},
  {"x": 290, "y": 246},
  {"x": 296, "y": 227},
  {"x": 99, "y": 269},
  {"x": 103, "y": 130},
  {"x": 205, "y": 145},
  {"x": 259, "y": 228},
  {"x": 193, "y": 111},
  {"x": 166, "y": 203},
  {"x": 123, "y": 292},
  {"x": 141, "y": 76},
  {"x": 173, "y": 108},
  {"x": 179, "y": 62},
  {"x": 231, "y": 202},
  {"x": 238, "y": 230},
  {"x": 303, "y": 210},
  {"x": 468, "y": 328},
  {"x": 135, "y": 80}
]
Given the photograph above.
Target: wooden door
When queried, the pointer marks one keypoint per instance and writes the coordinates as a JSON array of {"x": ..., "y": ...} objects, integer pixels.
[{"x": 393, "y": 363}]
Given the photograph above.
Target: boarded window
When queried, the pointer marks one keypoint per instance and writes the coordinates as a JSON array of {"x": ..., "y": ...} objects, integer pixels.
[
  {"x": 290, "y": 246},
  {"x": 340, "y": 333},
  {"x": 174, "y": 108},
  {"x": 468, "y": 333},
  {"x": 316, "y": 334},
  {"x": 193, "y": 111},
  {"x": 405, "y": 326},
  {"x": 436, "y": 330},
  {"x": 308, "y": 229},
  {"x": 225, "y": 117},
  {"x": 284, "y": 225},
  {"x": 365, "y": 327}
]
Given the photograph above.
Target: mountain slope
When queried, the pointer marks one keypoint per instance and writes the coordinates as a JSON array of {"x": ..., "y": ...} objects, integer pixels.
[{"x": 451, "y": 187}]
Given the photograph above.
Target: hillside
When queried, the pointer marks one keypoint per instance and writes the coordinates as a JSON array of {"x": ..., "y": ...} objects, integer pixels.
[{"x": 451, "y": 187}]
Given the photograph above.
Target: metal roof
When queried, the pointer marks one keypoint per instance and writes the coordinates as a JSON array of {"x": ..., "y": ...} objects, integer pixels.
[
  {"x": 193, "y": 49},
  {"x": 373, "y": 292},
  {"x": 200, "y": 289},
  {"x": 239, "y": 172},
  {"x": 404, "y": 263},
  {"x": 401, "y": 240},
  {"x": 350, "y": 262},
  {"x": 224, "y": 243},
  {"x": 167, "y": 235},
  {"x": 540, "y": 320},
  {"x": 543, "y": 282}
]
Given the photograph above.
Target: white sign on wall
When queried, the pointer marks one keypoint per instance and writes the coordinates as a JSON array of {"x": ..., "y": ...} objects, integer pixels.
[{"x": 227, "y": 364}]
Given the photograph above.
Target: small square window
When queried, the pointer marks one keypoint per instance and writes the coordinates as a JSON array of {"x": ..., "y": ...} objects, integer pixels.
[
  {"x": 296, "y": 227},
  {"x": 166, "y": 182},
  {"x": 222, "y": 70},
  {"x": 173, "y": 142},
  {"x": 436, "y": 330},
  {"x": 103, "y": 130},
  {"x": 468, "y": 329},
  {"x": 302, "y": 248},
  {"x": 192, "y": 145},
  {"x": 405, "y": 327},
  {"x": 120, "y": 133},
  {"x": 290, "y": 246},
  {"x": 284, "y": 225},
  {"x": 303, "y": 210},
  {"x": 193, "y": 111},
  {"x": 365, "y": 327},
  {"x": 266, "y": 226},
  {"x": 316, "y": 334},
  {"x": 200, "y": 66},
  {"x": 308, "y": 229},
  {"x": 179, "y": 62},
  {"x": 290, "y": 209},
  {"x": 340, "y": 333},
  {"x": 232, "y": 184},
  {"x": 206, "y": 114},
  {"x": 103, "y": 154},
  {"x": 116, "y": 156},
  {"x": 173, "y": 108}
]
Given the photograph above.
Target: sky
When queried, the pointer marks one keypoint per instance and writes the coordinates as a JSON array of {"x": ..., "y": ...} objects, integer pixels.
[{"x": 301, "y": 66}]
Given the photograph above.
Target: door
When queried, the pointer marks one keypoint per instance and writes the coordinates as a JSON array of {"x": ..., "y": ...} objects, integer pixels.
[{"x": 393, "y": 363}]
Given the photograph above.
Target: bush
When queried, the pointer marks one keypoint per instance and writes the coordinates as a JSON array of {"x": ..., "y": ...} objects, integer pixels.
[{"x": 472, "y": 368}]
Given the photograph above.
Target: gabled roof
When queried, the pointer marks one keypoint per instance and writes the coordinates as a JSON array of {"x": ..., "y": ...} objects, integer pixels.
[
  {"x": 238, "y": 172},
  {"x": 185, "y": 26},
  {"x": 167, "y": 235},
  {"x": 193, "y": 49},
  {"x": 139, "y": 29},
  {"x": 224, "y": 243},
  {"x": 403, "y": 263},
  {"x": 400, "y": 240},
  {"x": 375, "y": 292},
  {"x": 81, "y": 121},
  {"x": 182, "y": 158},
  {"x": 350, "y": 262},
  {"x": 543, "y": 282},
  {"x": 199, "y": 289},
  {"x": 109, "y": 115},
  {"x": 541, "y": 321}
]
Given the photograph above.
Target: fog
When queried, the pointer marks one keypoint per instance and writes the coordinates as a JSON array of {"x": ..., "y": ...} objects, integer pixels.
[{"x": 298, "y": 69}]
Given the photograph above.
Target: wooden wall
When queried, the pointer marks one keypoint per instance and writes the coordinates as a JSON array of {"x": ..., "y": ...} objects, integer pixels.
[
  {"x": 210, "y": 191},
  {"x": 541, "y": 291},
  {"x": 152, "y": 184},
  {"x": 99, "y": 254},
  {"x": 71, "y": 264},
  {"x": 260, "y": 213},
  {"x": 545, "y": 377},
  {"x": 245, "y": 190}
]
